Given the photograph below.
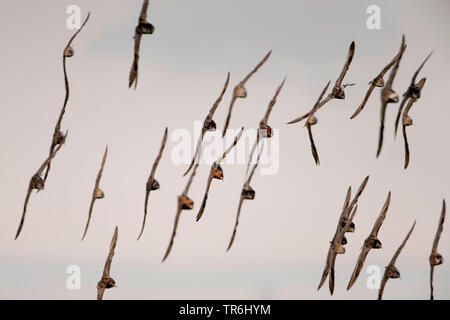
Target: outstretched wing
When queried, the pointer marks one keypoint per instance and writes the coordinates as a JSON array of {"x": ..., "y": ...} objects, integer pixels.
[
  {"x": 348, "y": 61},
  {"x": 233, "y": 235},
  {"x": 363, "y": 103},
  {"x": 216, "y": 104},
  {"x": 382, "y": 285},
  {"x": 259, "y": 65},
  {"x": 414, "y": 77},
  {"x": 397, "y": 253},
  {"x": 112, "y": 248},
  {"x": 405, "y": 139},
  {"x": 399, "y": 112},
  {"x": 273, "y": 102},
  {"x": 381, "y": 132},
  {"x": 381, "y": 217},
  {"x": 97, "y": 183},
  {"x": 205, "y": 197},
  {"x": 313, "y": 145},
  {"x": 397, "y": 64},
  {"x": 440, "y": 228},
  {"x": 231, "y": 146},
  {"x": 326, "y": 269},
  {"x": 359, "y": 265},
  {"x": 174, "y": 232}
]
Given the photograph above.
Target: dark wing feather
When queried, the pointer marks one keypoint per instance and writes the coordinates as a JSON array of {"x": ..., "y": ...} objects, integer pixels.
[
  {"x": 359, "y": 265},
  {"x": 100, "y": 292},
  {"x": 363, "y": 103},
  {"x": 348, "y": 61},
  {"x": 326, "y": 269},
  {"x": 405, "y": 139},
  {"x": 414, "y": 77},
  {"x": 313, "y": 145},
  {"x": 381, "y": 132},
  {"x": 236, "y": 223},
  {"x": 205, "y": 197},
  {"x": 273, "y": 102},
  {"x": 397, "y": 253},
  {"x": 382, "y": 285},
  {"x": 174, "y": 232},
  {"x": 112, "y": 248},
  {"x": 399, "y": 112},
  {"x": 381, "y": 217},
  {"x": 216, "y": 104},
  {"x": 259, "y": 65},
  {"x": 440, "y": 227}
]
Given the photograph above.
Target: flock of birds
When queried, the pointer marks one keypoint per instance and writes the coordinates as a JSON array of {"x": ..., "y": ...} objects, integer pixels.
[{"x": 345, "y": 222}]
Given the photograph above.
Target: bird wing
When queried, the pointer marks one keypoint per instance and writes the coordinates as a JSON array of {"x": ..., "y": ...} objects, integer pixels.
[
  {"x": 259, "y": 65},
  {"x": 273, "y": 101},
  {"x": 78, "y": 31},
  {"x": 348, "y": 61},
  {"x": 231, "y": 146},
  {"x": 216, "y": 104},
  {"x": 382, "y": 285},
  {"x": 313, "y": 145},
  {"x": 359, "y": 265},
  {"x": 236, "y": 223},
  {"x": 158, "y": 158},
  {"x": 100, "y": 292},
  {"x": 397, "y": 253},
  {"x": 405, "y": 139},
  {"x": 381, "y": 217},
  {"x": 174, "y": 231},
  {"x": 363, "y": 103},
  {"x": 112, "y": 248},
  {"x": 399, "y": 112},
  {"x": 440, "y": 228},
  {"x": 205, "y": 197},
  {"x": 396, "y": 63},
  {"x": 414, "y": 77},
  {"x": 381, "y": 132}
]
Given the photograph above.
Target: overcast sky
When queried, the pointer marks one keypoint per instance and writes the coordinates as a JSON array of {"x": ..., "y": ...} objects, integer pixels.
[{"x": 284, "y": 234}]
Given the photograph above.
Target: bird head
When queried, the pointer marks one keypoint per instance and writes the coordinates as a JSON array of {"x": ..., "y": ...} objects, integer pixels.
[
  {"x": 145, "y": 27},
  {"x": 110, "y": 283},
  {"x": 98, "y": 193},
  {"x": 312, "y": 120},
  {"x": 37, "y": 182},
  {"x": 344, "y": 241},
  {"x": 391, "y": 96},
  {"x": 240, "y": 91},
  {"x": 265, "y": 130},
  {"x": 338, "y": 248},
  {"x": 393, "y": 272},
  {"x": 153, "y": 184},
  {"x": 218, "y": 173},
  {"x": 68, "y": 52},
  {"x": 209, "y": 125},
  {"x": 407, "y": 121},
  {"x": 436, "y": 259},
  {"x": 186, "y": 203},
  {"x": 378, "y": 82},
  {"x": 248, "y": 193},
  {"x": 338, "y": 93}
]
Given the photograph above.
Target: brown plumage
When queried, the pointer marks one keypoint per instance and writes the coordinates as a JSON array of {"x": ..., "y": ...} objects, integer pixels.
[
  {"x": 97, "y": 193},
  {"x": 216, "y": 172},
  {"x": 247, "y": 193},
  {"x": 143, "y": 27},
  {"x": 265, "y": 131},
  {"x": 106, "y": 282},
  {"x": 240, "y": 91},
  {"x": 337, "y": 92},
  {"x": 152, "y": 183},
  {"x": 412, "y": 92},
  {"x": 435, "y": 257},
  {"x": 378, "y": 81},
  {"x": 391, "y": 272},
  {"x": 371, "y": 242},
  {"x": 36, "y": 182},
  {"x": 345, "y": 224},
  {"x": 208, "y": 124},
  {"x": 57, "y": 134},
  {"x": 183, "y": 203},
  {"x": 407, "y": 121},
  {"x": 312, "y": 120},
  {"x": 388, "y": 95}
]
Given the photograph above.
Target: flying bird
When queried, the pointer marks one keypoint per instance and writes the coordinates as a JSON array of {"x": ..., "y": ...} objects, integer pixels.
[
  {"x": 143, "y": 27},
  {"x": 407, "y": 121},
  {"x": 97, "y": 193},
  {"x": 371, "y": 242},
  {"x": 413, "y": 92},
  {"x": 57, "y": 133},
  {"x": 36, "y": 182},
  {"x": 106, "y": 282},
  {"x": 247, "y": 193},
  {"x": 216, "y": 172},
  {"x": 378, "y": 81},
  {"x": 265, "y": 131},
  {"x": 208, "y": 124},
  {"x": 391, "y": 272},
  {"x": 345, "y": 224},
  {"x": 183, "y": 203},
  {"x": 338, "y": 89},
  {"x": 312, "y": 120},
  {"x": 152, "y": 184},
  {"x": 435, "y": 257},
  {"x": 240, "y": 91},
  {"x": 388, "y": 95}
]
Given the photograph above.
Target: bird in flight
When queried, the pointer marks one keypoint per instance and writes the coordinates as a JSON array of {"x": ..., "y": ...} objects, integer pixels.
[
  {"x": 345, "y": 224},
  {"x": 413, "y": 92},
  {"x": 265, "y": 131},
  {"x": 371, "y": 242},
  {"x": 240, "y": 91},
  {"x": 338, "y": 89},
  {"x": 407, "y": 121},
  {"x": 378, "y": 81},
  {"x": 388, "y": 95},
  {"x": 152, "y": 184},
  {"x": 391, "y": 272},
  {"x": 312, "y": 120},
  {"x": 247, "y": 193},
  {"x": 216, "y": 172},
  {"x": 143, "y": 27},
  {"x": 106, "y": 282},
  {"x": 435, "y": 257},
  {"x": 97, "y": 193},
  {"x": 208, "y": 124},
  {"x": 57, "y": 133},
  {"x": 36, "y": 182}
]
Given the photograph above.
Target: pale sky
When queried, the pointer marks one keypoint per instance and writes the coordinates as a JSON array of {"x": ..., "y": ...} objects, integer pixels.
[{"x": 283, "y": 235}]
